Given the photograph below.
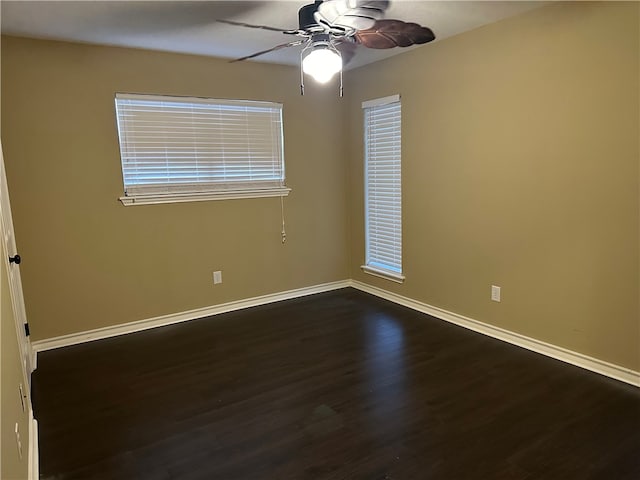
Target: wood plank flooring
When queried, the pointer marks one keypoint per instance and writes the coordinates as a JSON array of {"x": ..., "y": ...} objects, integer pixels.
[{"x": 335, "y": 386}]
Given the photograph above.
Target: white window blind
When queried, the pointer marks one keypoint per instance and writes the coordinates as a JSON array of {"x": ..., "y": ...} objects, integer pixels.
[
  {"x": 383, "y": 193},
  {"x": 183, "y": 148}
]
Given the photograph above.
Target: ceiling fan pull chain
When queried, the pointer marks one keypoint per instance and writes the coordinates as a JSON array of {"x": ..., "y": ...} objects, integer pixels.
[
  {"x": 284, "y": 233},
  {"x": 301, "y": 73}
]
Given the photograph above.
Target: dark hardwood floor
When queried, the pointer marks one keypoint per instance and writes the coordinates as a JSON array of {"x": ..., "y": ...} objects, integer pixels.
[{"x": 340, "y": 385}]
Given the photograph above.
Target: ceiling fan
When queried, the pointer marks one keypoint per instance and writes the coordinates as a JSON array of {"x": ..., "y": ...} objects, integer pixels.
[{"x": 331, "y": 30}]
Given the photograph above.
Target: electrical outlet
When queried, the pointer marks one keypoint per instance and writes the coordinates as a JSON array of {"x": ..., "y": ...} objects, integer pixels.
[
  {"x": 217, "y": 277},
  {"x": 495, "y": 293},
  {"x": 18, "y": 441}
]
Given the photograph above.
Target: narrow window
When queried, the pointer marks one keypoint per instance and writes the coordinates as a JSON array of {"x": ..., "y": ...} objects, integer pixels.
[
  {"x": 383, "y": 193},
  {"x": 176, "y": 149}
]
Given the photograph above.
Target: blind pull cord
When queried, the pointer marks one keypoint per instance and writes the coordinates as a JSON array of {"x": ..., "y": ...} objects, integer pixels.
[{"x": 284, "y": 233}]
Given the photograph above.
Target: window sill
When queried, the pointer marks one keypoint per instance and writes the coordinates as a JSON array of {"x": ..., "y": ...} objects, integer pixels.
[
  {"x": 151, "y": 199},
  {"x": 394, "y": 277}
]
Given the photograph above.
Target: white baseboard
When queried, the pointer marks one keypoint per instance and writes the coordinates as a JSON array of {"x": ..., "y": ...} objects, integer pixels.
[
  {"x": 589, "y": 363},
  {"x": 131, "y": 327},
  {"x": 574, "y": 358}
]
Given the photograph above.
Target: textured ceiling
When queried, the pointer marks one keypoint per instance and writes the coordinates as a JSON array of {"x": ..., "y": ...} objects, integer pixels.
[{"x": 191, "y": 27}]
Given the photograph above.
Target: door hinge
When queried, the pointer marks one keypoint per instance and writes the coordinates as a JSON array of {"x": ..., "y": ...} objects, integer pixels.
[{"x": 26, "y": 329}]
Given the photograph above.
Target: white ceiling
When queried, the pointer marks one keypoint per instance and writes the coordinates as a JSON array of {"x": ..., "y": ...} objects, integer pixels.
[{"x": 191, "y": 27}]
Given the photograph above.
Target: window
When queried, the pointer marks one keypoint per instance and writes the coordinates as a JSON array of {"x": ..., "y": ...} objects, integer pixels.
[
  {"x": 383, "y": 194},
  {"x": 176, "y": 149}
]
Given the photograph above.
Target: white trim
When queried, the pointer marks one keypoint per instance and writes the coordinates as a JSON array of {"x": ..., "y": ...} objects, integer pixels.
[
  {"x": 381, "y": 101},
  {"x": 34, "y": 464},
  {"x": 131, "y": 327},
  {"x": 150, "y": 199},
  {"x": 34, "y": 359},
  {"x": 574, "y": 358},
  {"x": 378, "y": 272}
]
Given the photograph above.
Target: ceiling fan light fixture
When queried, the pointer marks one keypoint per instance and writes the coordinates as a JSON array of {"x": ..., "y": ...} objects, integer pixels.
[{"x": 322, "y": 62}]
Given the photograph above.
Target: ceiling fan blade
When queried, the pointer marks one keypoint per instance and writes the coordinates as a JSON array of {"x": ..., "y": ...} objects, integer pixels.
[
  {"x": 345, "y": 5},
  {"x": 351, "y": 14},
  {"x": 394, "y": 33},
  {"x": 249, "y": 25},
  {"x": 273, "y": 49}
]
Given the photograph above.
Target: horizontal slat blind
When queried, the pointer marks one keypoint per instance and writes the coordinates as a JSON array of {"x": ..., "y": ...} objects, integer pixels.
[
  {"x": 383, "y": 185},
  {"x": 177, "y": 144}
]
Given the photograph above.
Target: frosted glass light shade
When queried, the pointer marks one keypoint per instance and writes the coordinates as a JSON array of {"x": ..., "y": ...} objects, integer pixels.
[{"x": 322, "y": 64}]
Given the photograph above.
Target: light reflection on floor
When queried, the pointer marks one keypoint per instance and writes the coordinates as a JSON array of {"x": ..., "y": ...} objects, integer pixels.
[{"x": 386, "y": 375}]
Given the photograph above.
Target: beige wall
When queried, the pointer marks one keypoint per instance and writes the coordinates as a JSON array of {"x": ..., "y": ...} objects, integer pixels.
[
  {"x": 520, "y": 169},
  {"x": 89, "y": 261},
  {"x": 520, "y": 165},
  {"x": 12, "y": 467}
]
